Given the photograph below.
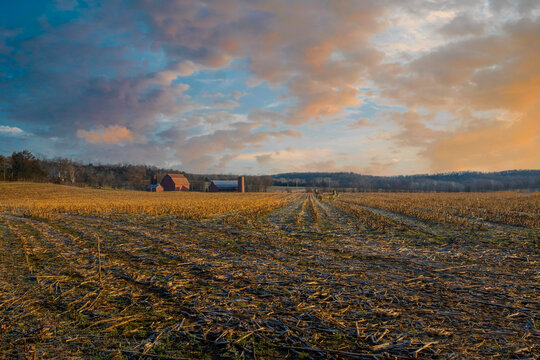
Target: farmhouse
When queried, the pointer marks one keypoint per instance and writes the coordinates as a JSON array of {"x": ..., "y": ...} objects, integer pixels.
[
  {"x": 175, "y": 182},
  {"x": 154, "y": 188},
  {"x": 227, "y": 185}
]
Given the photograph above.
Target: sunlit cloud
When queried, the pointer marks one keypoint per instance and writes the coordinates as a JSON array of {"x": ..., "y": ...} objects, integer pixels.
[{"x": 109, "y": 135}]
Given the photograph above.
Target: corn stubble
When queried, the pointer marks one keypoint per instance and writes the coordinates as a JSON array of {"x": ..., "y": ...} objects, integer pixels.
[{"x": 265, "y": 276}]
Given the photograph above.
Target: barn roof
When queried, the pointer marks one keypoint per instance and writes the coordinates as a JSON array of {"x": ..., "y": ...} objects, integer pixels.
[
  {"x": 178, "y": 177},
  {"x": 225, "y": 183}
]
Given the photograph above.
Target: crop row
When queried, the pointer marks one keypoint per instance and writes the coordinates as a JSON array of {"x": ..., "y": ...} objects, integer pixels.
[
  {"x": 459, "y": 209},
  {"x": 367, "y": 218}
]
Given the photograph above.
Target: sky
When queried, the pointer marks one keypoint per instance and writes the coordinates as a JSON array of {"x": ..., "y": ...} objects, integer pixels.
[{"x": 381, "y": 87}]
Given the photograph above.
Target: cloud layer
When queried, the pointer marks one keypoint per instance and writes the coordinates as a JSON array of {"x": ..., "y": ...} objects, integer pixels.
[{"x": 244, "y": 86}]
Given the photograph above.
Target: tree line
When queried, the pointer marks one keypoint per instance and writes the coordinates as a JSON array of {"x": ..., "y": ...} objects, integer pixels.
[
  {"x": 463, "y": 181},
  {"x": 24, "y": 166}
]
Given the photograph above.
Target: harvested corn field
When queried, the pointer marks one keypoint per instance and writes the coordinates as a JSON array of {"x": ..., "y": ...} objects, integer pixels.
[{"x": 128, "y": 275}]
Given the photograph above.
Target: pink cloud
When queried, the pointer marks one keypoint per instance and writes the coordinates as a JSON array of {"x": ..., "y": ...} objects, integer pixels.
[{"x": 110, "y": 135}]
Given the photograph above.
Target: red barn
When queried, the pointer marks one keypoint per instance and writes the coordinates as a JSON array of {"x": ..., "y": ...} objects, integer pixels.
[{"x": 175, "y": 182}]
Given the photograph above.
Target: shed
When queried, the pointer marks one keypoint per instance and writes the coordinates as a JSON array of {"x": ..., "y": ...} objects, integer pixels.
[
  {"x": 154, "y": 188},
  {"x": 223, "y": 186},
  {"x": 175, "y": 182}
]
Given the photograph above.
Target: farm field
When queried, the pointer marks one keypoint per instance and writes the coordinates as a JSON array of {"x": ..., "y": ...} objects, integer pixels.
[{"x": 110, "y": 274}]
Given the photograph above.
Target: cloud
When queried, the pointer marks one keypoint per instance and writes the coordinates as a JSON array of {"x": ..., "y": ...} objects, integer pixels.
[
  {"x": 497, "y": 73},
  {"x": 358, "y": 123},
  {"x": 113, "y": 67},
  {"x": 116, "y": 74},
  {"x": 289, "y": 154},
  {"x": 301, "y": 160},
  {"x": 288, "y": 132},
  {"x": 478, "y": 73},
  {"x": 330, "y": 166},
  {"x": 462, "y": 25},
  {"x": 239, "y": 94},
  {"x": 377, "y": 167},
  {"x": 489, "y": 145},
  {"x": 12, "y": 131},
  {"x": 321, "y": 68},
  {"x": 213, "y": 95},
  {"x": 198, "y": 151},
  {"x": 264, "y": 159},
  {"x": 266, "y": 116},
  {"x": 523, "y": 7},
  {"x": 414, "y": 131},
  {"x": 225, "y": 104},
  {"x": 110, "y": 135},
  {"x": 212, "y": 121}
]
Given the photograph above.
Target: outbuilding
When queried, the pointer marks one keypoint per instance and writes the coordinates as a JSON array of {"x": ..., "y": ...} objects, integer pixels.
[
  {"x": 175, "y": 182},
  {"x": 154, "y": 188},
  {"x": 227, "y": 185}
]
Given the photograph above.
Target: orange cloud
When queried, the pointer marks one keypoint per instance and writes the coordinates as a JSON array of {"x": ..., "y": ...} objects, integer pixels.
[
  {"x": 109, "y": 135},
  {"x": 320, "y": 103},
  {"x": 495, "y": 73},
  {"x": 489, "y": 146}
]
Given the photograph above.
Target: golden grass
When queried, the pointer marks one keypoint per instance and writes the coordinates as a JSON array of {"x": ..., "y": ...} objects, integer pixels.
[{"x": 45, "y": 200}]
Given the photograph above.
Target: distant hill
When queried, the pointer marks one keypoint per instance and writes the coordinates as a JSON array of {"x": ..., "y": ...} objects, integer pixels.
[{"x": 453, "y": 181}]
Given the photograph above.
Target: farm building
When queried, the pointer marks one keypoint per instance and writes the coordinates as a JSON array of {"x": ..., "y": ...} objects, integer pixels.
[
  {"x": 175, "y": 182},
  {"x": 227, "y": 185},
  {"x": 154, "y": 188}
]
